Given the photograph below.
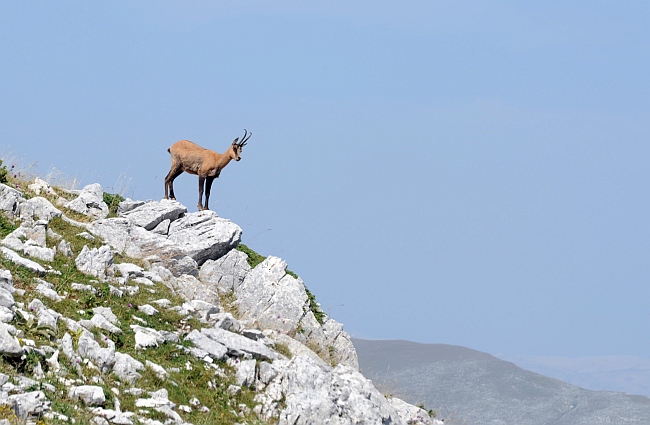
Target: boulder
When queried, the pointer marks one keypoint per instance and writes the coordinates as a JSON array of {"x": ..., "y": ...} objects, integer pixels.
[
  {"x": 6, "y": 298},
  {"x": 127, "y": 205},
  {"x": 313, "y": 391},
  {"x": 95, "y": 261},
  {"x": 13, "y": 256},
  {"x": 41, "y": 186},
  {"x": 204, "y": 236},
  {"x": 90, "y": 202},
  {"x": 9, "y": 344},
  {"x": 413, "y": 415},
  {"x": 226, "y": 273},
  {"x": 236, "y": 345},
  {"x": 206, "y": 345},
  {"x": 7, "y": 281},
  {"x": 126, "y": 368},
  {"x": 91, "y": 395},
  {"x": 190, "y": 288},
  {"x": 126, "y": 237},
  {"x": 202, "y": 310},
  {"x": 271, "y": 298},
  {"x": 151, "y": 214},
  {"x": 33, "y": 403},
  {"x": 38, "y": 208},
  {"x": 88, "y": 348},
  {"x": 10, "y": 200}
]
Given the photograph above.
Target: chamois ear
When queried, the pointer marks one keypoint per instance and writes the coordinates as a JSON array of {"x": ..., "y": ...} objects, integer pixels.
[{"x": 235, "y": 141}]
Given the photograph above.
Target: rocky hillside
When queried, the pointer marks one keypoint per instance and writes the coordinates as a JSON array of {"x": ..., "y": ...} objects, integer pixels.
[
  {"x": 478, "y": 388},
  {"x": 149, "y": 314}
]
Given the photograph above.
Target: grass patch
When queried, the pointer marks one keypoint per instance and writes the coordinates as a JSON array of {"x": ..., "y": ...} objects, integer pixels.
[
  {"x": 112, "y": 200},
  {"x": 6, "y": 226},
  {"x": 253, "y": 257}
]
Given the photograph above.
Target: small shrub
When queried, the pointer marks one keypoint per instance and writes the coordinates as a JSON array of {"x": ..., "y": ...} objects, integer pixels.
[
  {"x": 112, "y": 200},
  {"x": 253, "y": 257},
  {"x": 313, "y": 306},
  {"x": 4, "y": 173}
]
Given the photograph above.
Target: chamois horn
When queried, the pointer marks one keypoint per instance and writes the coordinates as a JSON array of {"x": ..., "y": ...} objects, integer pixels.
[{"x": 245, "y": 139}]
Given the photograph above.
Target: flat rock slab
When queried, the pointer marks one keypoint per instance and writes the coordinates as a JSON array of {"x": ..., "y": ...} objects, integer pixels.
[
  {"x": 17, "y": 259},
  {"x": 150, "y": 214},
  {"x": 239, "y": 345},
  {"x": 204, "y": 236}
]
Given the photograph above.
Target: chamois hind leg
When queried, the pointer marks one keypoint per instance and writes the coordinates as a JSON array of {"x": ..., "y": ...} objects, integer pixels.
[
  {"x": 201, "y": 184},
  {"x": 169, "y": 181},
  {"x": 208, "y": 187}
]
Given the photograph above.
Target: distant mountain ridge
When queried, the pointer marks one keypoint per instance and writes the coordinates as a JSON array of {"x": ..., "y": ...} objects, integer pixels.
[
  {"x": 628, "y": 374},
  {"x": 477, "y": 388}
]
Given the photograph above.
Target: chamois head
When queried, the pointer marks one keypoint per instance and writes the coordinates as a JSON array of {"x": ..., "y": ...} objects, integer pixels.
[{"x": 236, "y": 148}]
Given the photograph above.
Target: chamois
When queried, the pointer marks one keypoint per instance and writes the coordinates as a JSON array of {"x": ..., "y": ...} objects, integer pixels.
[{"x": 207, "y": 164}]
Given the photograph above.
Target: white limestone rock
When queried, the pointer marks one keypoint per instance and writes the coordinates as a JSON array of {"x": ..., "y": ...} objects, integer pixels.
[
  {"x": 38, "y": 208},
  {"x": 245, "y": 375},
  {"x": 90, "y": 202},
  {"x": 13, "y": 256},
  {"x": 208, "y": 346},
  {"x": 204, "y": 236},
  {"x": 202, "y": 310},
  {"x": 147, "y": 337},
  {"x": 271, "y": 297},
  {"x": 148, "y": 310},
  {"x": 102, "y": 357},
  {"x": 236, "y": 345},
  {"x": 95, "y": 261},
  {"x": 91, "y": 395},
  {"x": 64, "y": 248},
  {"x": 40, "y": 186},
  {"x": 150, "y": 214},
  {"x": 46, "y": 316},
  {"x": 7, "y": 281},
  {"x": 33, "y": 403},
  {"x": 313, "y": 391},
  {"x": 6, "y": 315},
  {"x": 10, "y": 200},
  {"x": 9, "y": 344},
  {"x": 6, "y": 298},
  {"x": 413, "y": 415},
  {"x": 226, "y": 273},
  {"x": 126, "y": 368},
  {"x": 129, "y": 270},
  {"x": 127, "y": 205}
]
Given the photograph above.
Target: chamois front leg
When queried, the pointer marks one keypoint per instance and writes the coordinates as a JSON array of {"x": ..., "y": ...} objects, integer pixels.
[
  {"x": 208, "y": 187},
  {"x": 201, "y": 184}
]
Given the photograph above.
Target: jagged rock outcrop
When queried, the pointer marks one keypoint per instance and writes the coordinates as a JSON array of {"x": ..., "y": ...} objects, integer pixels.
[
  {"x": 90, "y": 202},
  {"x": 300, "y": 363}
]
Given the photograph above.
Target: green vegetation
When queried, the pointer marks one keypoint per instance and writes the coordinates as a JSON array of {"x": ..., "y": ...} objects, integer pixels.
[
  {"x": 4, "y": 173},
  {"x": 112, "y": 200},
  {"x": 313, "y": 306},
  {"x": 6, "y": 226},
  {"x": 253, "y": 257}
]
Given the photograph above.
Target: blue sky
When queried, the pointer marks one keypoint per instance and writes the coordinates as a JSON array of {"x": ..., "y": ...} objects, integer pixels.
[{"x": 471, "y": 173}]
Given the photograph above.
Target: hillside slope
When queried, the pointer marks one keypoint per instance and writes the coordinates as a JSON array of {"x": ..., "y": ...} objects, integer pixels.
[
  {"x": 477, "y": 388},
  {"x": 144, "y": 313}
]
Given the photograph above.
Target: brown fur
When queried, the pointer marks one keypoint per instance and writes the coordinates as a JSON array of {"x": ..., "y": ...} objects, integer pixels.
[{"x": 193, "y": 159}]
